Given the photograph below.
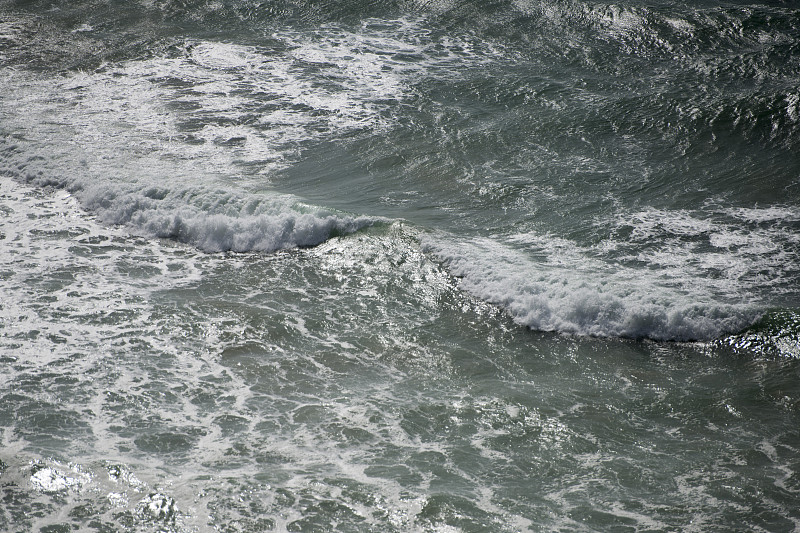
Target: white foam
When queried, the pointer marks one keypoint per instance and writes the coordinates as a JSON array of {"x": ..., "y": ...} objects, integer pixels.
[
  {"x": 120, "y": 150},
  {"x": 556, "y": 286},
  {"x": 793, "y": 107},
  {"x": 766, "y": 214},
  {"x": 730, "y": 251},
  {"x": 218, "y": 221},
  {"x": 210, "y": 219},
  {"x": 660, "y": 274},
  {"x": 680, "y": 25},
  {"x": 54, "y": 479},
  {"x": 212, "y": 116}
]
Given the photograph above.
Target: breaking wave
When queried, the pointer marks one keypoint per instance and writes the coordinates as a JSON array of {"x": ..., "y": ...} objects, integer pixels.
[{"x": 550, "y": 289}]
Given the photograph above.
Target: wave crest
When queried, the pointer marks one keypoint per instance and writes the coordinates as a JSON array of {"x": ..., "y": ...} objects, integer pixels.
[
  {"x": 551, "y": 294},
  {"x": 282, "y": 228},
  {"x": 213, "y": 220}
]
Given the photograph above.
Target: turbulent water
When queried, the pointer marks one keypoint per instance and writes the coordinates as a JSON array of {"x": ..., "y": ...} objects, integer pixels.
[{"x": 427, "y": 266}]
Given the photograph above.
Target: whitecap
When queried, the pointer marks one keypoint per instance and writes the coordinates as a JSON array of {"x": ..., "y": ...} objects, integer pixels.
[{"x": 556, "y": 286}]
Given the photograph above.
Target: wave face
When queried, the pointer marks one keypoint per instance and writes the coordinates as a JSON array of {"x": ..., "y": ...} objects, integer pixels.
[{"x": 212, "y": 220}]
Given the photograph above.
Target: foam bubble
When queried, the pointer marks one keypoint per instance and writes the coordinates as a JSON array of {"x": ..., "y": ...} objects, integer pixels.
[{"x": 766, "y": 214}]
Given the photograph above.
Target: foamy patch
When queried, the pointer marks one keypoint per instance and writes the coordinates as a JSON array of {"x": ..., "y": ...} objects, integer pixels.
[
  {"x": 619, "y": 20},
  {"x": 215, "y": 221},
  {"x": 766, "y": 214},
  {"x": 211, "y": 116},
  {"x": 382, "y": 60},
  {"x": 793, "y": 107},
  {"x": 55, "y": 478},
  {"x": 218, "y": 108},
  {"x": 680, "y": 25},
  {"x": 61, "y": 492},
  {"x": 554, "y": 286},
  {"x": 729, "y": 251},
  {"x": 211, "y": 219}
]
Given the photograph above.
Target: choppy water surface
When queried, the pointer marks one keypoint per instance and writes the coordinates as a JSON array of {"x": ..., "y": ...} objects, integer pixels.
[{"x": 450, "y": 266}]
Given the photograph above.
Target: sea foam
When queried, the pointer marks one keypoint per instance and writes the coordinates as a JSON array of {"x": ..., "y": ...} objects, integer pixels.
[
  {"x": 229, "y": 223},
  {"x": 117, "y": 141},
  {"x": 209, "y": 218},
  {"x": 555, "y": 288}
]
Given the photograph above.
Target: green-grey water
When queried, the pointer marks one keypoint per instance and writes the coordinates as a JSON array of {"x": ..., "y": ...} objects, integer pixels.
[{"x": 373, "y": 266}]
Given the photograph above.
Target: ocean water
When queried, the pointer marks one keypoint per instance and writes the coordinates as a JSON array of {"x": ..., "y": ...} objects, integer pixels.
[{"x": 412, "y": 266}]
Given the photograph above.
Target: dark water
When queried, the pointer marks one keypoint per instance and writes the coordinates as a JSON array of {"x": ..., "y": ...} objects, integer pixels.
[{"x": 412, "y": 266}]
